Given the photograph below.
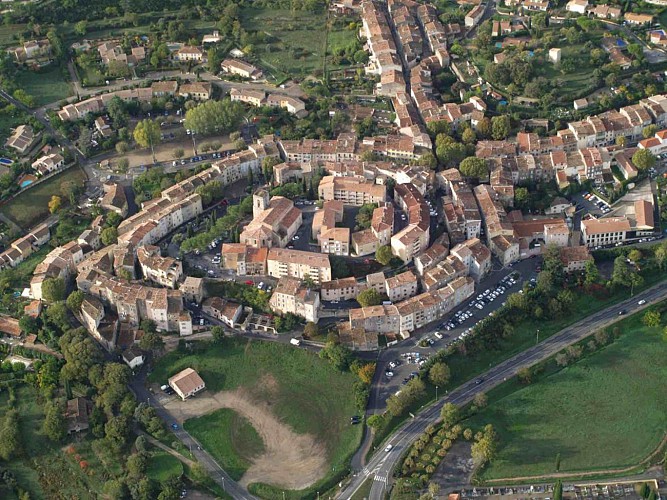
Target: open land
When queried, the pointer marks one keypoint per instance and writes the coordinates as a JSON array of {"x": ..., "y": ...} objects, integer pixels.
[{"x": 608, "y": 410}]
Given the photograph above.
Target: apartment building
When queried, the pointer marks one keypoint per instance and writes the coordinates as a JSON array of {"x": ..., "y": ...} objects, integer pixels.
[
  {"x": 293, "y": 297},
  {"x": 401, "y": 286},
  {"x": 367, "y": 241},
  {"x": 415, "y": 237},
  {"x": 165, "y": 271},
  {"x": 282, "y": 262},
  {"x": 341, "y": 289},
  {"x": 379, "y": 319},
  {"x": 605, "y": 231},
  {"x": 429, "y": 258},
  {"x": 475, "y": 256},
  {"x": 223, "y": 310},
  {"x": 244, "y": 259},
  {"x": 351, "y": 190},
  {"x": 61, "y": 262},
  {"x": 333, "y": 240},
  {"x": 192, "y": 289}
]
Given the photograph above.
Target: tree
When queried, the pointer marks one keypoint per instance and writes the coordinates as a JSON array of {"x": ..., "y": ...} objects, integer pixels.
[
  {"x": 28, "y": 324},
  {"x": 375, "y": 421},
  {"x": 558, "y": 490},
  {"x": 178, "y": 153},
  {"x": 53, "y": 289},
  {"x": 122, "y": 147},
  {"x": 55, "y": 204},
  {"x": 267, "y": 166},
  {"x": 147, "y": 134},
  {"x": 366, "y": 372},
  {"x": 54, "y": 422},
  {"x": 214, "y": 116},
  {"x": 365, "y": 215},
  {"x": 311, "y": 330},
  {"x": 383, "y": 255},
  {"x": 480, "y": 400},
  {"x": 117, "y": 111},
  {"x": 474, "y": 167},
  {"x": 109, "y": 236},
  {"x": 369, "y": 297},
  {"x": 439, "y": 374},
  {"x": 151, "y": 341},
  {"x": 468, "y": 136},
  {"x": 525, "y": 375},
  {"x": 412, "y": 392},
  {"x": 218, "y": 333},
  {"x": 635, "y": 255},
  {"x": 591, "y": 273},
  {"x": 643, "y": 159},
  {"x": 339, "y": 356},
  {"x": 500, "y": 127},
  {"x": 450, "y": 414},
  {"x": 484, "y": 448},
  {"x": 650, "y": 130},
  {"x": 651, "y": 318},
  {"x": 438, "y": 127},
  {"x": 10, "y": 437},
  {"x": 75, "y": 300}
]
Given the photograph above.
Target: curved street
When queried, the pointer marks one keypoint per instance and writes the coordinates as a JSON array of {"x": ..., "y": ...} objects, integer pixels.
[{"x": 382, "y": 464}]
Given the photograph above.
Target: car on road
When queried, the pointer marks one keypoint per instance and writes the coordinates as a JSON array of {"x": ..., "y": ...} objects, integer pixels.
[
  {"x": 621, "y": 313},
  {"x": 389, "y": 448},
  {"x": 439, "y": 335},
  {"x": 174, "y": 426},
  {"x": 479, "y": 381},
  {"x": 389, "y": 374},
  {"x": 249, "y": 283},
  {"x": 641, "y": 302}
]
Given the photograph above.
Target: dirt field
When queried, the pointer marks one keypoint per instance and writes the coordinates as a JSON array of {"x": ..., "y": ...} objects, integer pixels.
[{"x": 291, "y": 461}]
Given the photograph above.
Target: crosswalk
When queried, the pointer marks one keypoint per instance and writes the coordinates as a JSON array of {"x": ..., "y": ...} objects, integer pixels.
[{"x": 380, "y": 478}]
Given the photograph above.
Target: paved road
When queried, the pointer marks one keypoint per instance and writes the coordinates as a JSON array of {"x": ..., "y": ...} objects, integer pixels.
[{"x": 383, "y": 463}]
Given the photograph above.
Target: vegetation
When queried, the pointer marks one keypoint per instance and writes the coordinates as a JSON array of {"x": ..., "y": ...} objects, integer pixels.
[
  {"x": 309, "y": 394},
  {"x": 610, "y": 411},
  {"x": 369, "y": 297},
  {"x": 214, "y": 117},
  {"x": 229, "y": 437}
]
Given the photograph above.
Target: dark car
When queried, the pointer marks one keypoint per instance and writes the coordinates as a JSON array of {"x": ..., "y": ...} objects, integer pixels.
[{"x": 479, "y": 381}]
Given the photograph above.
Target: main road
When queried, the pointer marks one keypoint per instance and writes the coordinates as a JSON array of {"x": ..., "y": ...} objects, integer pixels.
[{"x": 382, "y": 464}]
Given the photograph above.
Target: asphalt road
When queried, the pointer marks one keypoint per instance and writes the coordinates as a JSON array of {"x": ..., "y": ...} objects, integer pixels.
[{"x": 383, "y": 463}]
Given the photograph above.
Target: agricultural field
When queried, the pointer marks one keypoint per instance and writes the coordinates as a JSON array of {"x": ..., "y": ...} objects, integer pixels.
[
  {"x": 608, "y": 410},
  {"x": 298, "y": 404},
  {"x": 31, "y": 206},
  {"x": 162, "y": 466},
  {"x": 45, "y": 86},
  {"x": 229, "y": 437}
]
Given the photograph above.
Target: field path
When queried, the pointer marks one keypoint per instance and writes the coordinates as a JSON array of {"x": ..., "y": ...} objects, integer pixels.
[{"x": 290, "y": 460}]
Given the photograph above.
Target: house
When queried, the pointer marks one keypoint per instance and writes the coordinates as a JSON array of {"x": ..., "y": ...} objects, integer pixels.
[
  {"x": 49, "y": 163},
  {"x": 637, "y": 19},
  {"x": 103, "y": 127},
  {"x": 658, "y": 37},
  {"x": 401, "y": 286},
  {"x": 574, "y": 259},
  {"x": 9, "y": 326},
  {"x": 21, "y": 139},
  {"x": 77, "y": 414},
  {"x": 114, "y": 198},
  {"x": 605, "y": 12},
  {"x": 212, "y": 38},
  {"x": 557, "y": 206},
  {"x": 200, "y": 91},
  {"x": 133, "y": 357},
  {"x": 189, "y": 53},
  {"x": 33, "y": 309},
  {"x": 223, "y": 310},
  {"x": 555, "y": 55},
  {"x": 241, "y": 68},
  {"x": 577, "y": 6},
  {"x": 187, "y": 383},
  {"x": 580, "y": 104},
  {"x": 192, "y": 289},
  {"x": 244, "y": 259},
  {"x": 32, "y": 49},
  {"x": 293, "y": 297},
  {"x": 473, "y": 17},
  {"x": 341, "y": 289},
  {"x": 165, "y": 271},
  {"x": 164, "y": 89}
]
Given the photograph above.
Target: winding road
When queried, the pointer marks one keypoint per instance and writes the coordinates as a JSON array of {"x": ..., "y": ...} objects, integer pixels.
[{"x": 382, "y": 464}]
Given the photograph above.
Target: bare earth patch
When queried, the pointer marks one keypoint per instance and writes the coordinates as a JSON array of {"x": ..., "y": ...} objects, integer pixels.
[{"x": 290, "y": 460}]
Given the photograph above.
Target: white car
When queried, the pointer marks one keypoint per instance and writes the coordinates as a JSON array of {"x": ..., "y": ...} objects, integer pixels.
[
  {"x": 389, "y": 374},
  {"x": 389, "y": 448},
  {"x": 641, "y": 302},
  {"x": 438, "y": 334}
]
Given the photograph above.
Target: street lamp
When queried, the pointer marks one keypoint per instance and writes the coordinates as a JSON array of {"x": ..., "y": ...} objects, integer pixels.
[
  {"x": 537, "y": 337},
  {"x": 436, "y": 392}
]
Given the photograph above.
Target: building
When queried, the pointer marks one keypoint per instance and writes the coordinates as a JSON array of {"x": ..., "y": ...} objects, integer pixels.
[
  {"x": 189, "y": 53},
  {"x": 48, "y": 163},
  {"x": 580, "y": 104},
  {"x": 192, "y": 289},
  {"x": 282, "y": 262},
  {"x": 114, "y": 198},
  {"x": 165, "y": 271},
  {"x": 367, "y": 241},
  {"x": 274, "y": 222},
  {"x": 223, "y": 310},
  {"x": 475, "y": 256},
  {"x": 199, "y": 91},
  {"x": 401, "y": 286},
  {"x": 187, "y": 383},
  {"x": 429, "y": 258},
  {"x": 133, "y": 357},
  {"x": 243, "y": 259},
  {"x": 291, "y": 296},
  {"x": 31, "y": 50},
  {"x": 77, "y": 415},
  {"x": 21, "y": 139},
  {"x": 474, "y": 16},
  {"x": 341, "y": 289},
  {"x": 241, "y": 68},
  {"x": 605, "y": 231},
  {"x": 351, "y": 190},
  {"x": 414, "y": 238},
  {"x": 577, "y": 6},
  {"x": 555, "y": 55},
  {"x": 637, "y": 19},
  {"x": 164, "y": 89},
  {"x": 574, "y": 259}
]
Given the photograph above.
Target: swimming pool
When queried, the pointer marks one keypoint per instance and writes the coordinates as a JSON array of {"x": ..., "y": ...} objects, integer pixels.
[
  {"x": 6, "y": 161},
  {"x": 27, "y": 182}
]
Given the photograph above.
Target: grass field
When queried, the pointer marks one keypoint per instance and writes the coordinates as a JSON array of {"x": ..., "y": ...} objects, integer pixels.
[
  {"x": 8, "y": 32},
  {"x": 45, "y": 86},
  {"x": 305, "y": 392},
  {"x": 162, "y": 466},
  {"x": 29, "y": 207},
  {"x": 295, "y": 45},
  {"x": 608, "y": 410},
  {"x": 229, "y": 437}
]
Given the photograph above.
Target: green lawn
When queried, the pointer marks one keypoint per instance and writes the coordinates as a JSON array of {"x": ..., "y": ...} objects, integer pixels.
[
  {"x": 29, "y": 207},
  {"x": 304, "y": 391},
  {"x": 608, "y": 410},
  {"x": 295, "y": 45},
  {"x": 229, "y": 437},
  {"x": 8, "y": 32},
  {"x": 162, "y": 466},
  {"x": 45, "y": 86}
]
